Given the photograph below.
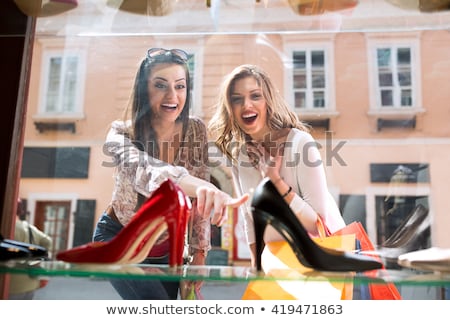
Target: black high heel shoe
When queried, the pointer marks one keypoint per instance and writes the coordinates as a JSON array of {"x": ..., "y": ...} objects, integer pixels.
[
  {"x": 268, "y": 207},
  {"x": 34, "y": 251}
]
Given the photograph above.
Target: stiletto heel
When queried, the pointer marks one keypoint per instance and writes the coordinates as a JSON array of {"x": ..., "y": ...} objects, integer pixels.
[
  {"x": 181, "y": 232},
  {"x": 268, "y": 207},
  {"x": 176, "y": 227},
  {"x": 167, "y": 208}
]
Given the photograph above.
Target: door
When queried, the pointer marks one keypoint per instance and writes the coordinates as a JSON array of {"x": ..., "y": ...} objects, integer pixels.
[{"x": 53, "y": 217}]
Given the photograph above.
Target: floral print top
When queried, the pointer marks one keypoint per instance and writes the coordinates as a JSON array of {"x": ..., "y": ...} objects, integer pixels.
[{"x": 137, "y": 172}]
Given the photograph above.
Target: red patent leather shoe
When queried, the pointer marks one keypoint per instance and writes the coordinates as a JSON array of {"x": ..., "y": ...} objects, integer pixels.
[{"x": 167, "y": 208}]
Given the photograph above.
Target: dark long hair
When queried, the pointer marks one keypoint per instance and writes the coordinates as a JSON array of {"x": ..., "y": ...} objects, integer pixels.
[{"x": 142, "y": 133}]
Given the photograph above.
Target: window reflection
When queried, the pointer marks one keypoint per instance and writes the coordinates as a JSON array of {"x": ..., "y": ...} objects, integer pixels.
[{"x": 349, "y": 74}]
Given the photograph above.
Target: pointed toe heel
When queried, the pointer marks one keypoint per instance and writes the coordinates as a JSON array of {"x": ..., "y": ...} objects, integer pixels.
[{"x": 167, "y": 209}]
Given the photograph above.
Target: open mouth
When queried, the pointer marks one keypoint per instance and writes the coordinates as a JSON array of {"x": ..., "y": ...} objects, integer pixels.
[
  {"x": 169, "y": 106},
  {"x": 249, "y": 118}
]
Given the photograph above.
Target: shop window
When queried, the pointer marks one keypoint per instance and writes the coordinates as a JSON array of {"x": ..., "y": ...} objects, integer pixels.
[
  {"x": 394, "y": 205},
  {"x": 393, "y": 211}
]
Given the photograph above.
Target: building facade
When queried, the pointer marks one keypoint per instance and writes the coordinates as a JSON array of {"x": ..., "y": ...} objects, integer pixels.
[{"x": 377, "y": 101}]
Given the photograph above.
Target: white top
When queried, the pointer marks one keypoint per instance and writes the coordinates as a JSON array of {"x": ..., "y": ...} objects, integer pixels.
[{"x": 303, "y": 170}]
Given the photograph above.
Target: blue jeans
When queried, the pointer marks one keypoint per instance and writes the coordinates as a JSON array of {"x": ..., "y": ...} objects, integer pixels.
[{"x": 129, "y": 289}]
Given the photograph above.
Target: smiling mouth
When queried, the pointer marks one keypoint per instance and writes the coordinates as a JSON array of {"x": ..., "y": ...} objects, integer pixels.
[
  {"x": 249, "y": 118},
  {"x": 169, "y": 106}
]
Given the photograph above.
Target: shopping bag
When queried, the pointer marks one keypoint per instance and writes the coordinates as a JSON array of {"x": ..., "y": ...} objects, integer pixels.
[
  {"x": 377, "y": 291},
  {"x": 279, "y": 261}
]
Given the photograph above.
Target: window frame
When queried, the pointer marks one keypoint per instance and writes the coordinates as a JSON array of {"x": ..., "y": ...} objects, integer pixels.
[
  {"x": 323, "y": 43},
  {"x": 394, "y": 41},
  {"x": 51, "y": 50},
  {"x": 308, "y": 72}
]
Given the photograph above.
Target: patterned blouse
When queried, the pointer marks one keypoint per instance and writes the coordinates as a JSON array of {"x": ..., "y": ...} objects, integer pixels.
[{"x": 137, "y": 172}]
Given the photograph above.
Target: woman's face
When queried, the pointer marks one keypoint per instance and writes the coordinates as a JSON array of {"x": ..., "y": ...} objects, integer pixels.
[
  {"x": 249, "y": 107},
  {"x": 167, "y": 87}
]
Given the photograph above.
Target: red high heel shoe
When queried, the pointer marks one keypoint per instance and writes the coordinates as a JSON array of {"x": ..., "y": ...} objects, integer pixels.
[
  {"x": 167, "y": 208},
  {"x": 140, "y": 255}
]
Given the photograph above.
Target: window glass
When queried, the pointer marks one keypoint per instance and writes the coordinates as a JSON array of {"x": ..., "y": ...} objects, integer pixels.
[
  {"x": 62, "y": 84},
  {"x": 356, "y": 77},
  {"x": 394, "y": 77},
  {"x": 308, "y": 76}
]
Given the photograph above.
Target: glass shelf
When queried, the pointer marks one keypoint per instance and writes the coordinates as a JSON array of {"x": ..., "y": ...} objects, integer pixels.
[{"x": 222, "y": 273}]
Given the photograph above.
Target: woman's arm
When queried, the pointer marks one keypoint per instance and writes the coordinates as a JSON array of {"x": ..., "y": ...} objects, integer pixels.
[
  {"x": 307, "y": 168},
  {"x": 151, "y": 172},
  {"x": 210, "y": 198},
  {"x": 312, "y": 183}
]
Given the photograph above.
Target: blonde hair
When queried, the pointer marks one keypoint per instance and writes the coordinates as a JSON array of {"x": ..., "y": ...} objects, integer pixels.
[{"x": 229, "y": 136}]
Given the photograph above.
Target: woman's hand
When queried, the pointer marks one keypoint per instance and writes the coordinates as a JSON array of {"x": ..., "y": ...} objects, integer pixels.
[
  {"x": 268, "y": 161},
  {"x": 212, "y": 199}
]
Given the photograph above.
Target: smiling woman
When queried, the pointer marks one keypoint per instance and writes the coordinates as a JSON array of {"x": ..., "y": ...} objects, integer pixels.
[
  {"x": 157, "y": 140},
  {"x": 253, "y": 124},
  {"x": 344, "y": 73}
]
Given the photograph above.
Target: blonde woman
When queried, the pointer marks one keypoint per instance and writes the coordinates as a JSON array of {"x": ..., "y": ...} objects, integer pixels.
[{"x": 262, "y": 137}]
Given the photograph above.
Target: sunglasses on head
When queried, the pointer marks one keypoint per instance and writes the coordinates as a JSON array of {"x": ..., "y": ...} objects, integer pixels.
[{"x": 155, "y": 52}]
